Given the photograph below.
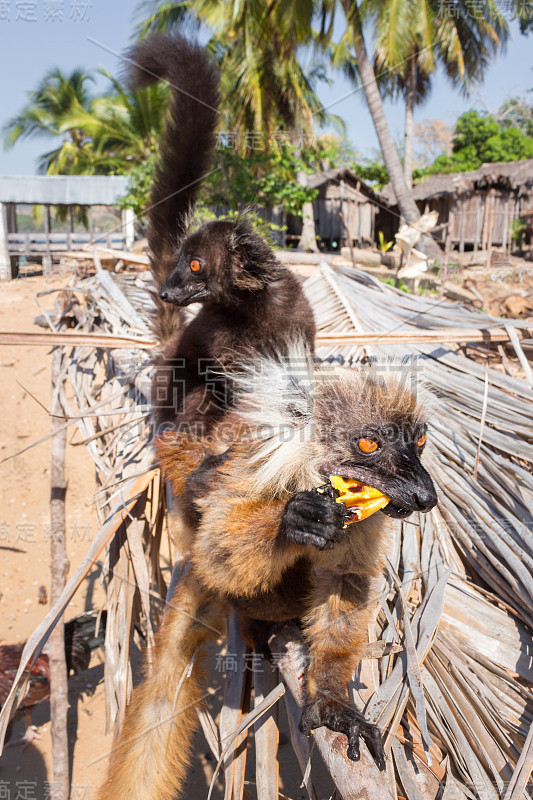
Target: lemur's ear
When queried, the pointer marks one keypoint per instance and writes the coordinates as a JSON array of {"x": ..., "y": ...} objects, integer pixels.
[{"x": 239, "y": 261}]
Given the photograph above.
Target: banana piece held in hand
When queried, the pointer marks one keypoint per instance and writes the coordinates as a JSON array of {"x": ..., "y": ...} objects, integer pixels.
[{"x": 360, "y": 499}]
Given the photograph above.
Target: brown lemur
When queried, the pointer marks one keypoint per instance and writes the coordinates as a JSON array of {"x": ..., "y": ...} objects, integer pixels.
[
  {"x": 250, "y": 302},
  {"x": 273, "y": 543}
]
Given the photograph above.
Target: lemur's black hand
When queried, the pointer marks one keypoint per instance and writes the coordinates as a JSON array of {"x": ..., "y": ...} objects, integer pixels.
[
  {"x": 344, "y": 719},
  {"x": 314, "y": 518}
]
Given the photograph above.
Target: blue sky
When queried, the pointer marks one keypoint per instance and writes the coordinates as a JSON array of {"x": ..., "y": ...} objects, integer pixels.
[{"x": 91, "y": 32}]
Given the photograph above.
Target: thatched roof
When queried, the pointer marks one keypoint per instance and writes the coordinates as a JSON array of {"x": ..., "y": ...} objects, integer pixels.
[
  {"x": 516, "y": 176},
  {"x": 335, "y": 176}
]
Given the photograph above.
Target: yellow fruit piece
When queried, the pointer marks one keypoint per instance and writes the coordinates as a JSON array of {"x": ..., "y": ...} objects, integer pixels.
[{"x": 362, "y": 500}]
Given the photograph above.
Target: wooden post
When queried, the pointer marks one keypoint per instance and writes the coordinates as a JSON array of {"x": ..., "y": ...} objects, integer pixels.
[
  {"x": 451, "y": 222},
  {"x": 5, "y": 261},
  {"x": 232, "y": 710},
  {"x": 307, "y": 240},
  {"x": 90, "y": 223},
  {"x": 484, "y": 235},
  {"x": 346, "y": 241},
  {"x": 348, "y": 235},
  {"x": 128, "y": 227},
  {"x": 506, "y": 236},
  {"x": 266, "y": 737},
  {"x": 11, "y": 217},
  {"x": 462, "y": 228},
  {"x": 490, "y": 229},
  {"x": 47, "y": 256},
  {"x": 11, "y": 221},
  {"x": 444, "y": 276},
  {"x": 71, "y": 221},
  {"x": 58, "y": 574},
  {"x": 478, "y": 221},
  {"x": 516, "y": 213}
]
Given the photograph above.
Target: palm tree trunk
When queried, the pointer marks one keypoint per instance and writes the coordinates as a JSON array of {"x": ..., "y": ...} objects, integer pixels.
[
  {"x": 307, "y": 240},
  {"x": 409, "y": 122},
  {"x": 404, "y": 196}
]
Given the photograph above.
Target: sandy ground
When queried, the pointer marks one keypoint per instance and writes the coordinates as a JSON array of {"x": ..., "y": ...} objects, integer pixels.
[
  {"x": 25, "y": 546},
  {"x": 24, "y": 568}
]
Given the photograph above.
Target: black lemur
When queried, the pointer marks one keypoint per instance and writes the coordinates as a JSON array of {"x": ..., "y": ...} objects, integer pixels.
[{"x": 250, "y": 302}]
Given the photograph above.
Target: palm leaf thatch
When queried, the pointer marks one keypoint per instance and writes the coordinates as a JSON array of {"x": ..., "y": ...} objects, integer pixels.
[{"x": 448, "y": 671}]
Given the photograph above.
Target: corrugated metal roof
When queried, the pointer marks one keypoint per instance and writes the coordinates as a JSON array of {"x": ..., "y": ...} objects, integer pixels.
[{"x": 83, "y": 190}]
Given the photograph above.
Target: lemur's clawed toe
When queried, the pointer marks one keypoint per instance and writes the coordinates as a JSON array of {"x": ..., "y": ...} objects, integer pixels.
[{"x": 347, "y": 720}]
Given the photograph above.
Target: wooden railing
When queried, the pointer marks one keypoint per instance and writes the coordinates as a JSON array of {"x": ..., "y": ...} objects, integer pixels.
[{"x": 41, "y": 243}]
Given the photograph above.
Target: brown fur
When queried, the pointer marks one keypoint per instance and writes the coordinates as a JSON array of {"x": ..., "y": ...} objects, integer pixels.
[
  {"x": 192, "y": 452},
  {"x": 336, "y": 628}
]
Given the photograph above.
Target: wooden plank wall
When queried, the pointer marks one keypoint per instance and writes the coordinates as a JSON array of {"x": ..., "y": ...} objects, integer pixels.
[
  {"x": 358, "y": 217},
  {"x": 479, "y": 219}
]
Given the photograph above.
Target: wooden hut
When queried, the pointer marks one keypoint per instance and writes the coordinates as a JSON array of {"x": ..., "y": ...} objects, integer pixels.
[
  {"x": 342, "y": 191},
  {"x": 479, "y": 206}
]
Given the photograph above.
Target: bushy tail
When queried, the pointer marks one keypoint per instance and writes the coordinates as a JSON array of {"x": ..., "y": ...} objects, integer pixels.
[
  {"x": 186, "y": 145},
  {"x": 152, "y": 752}
]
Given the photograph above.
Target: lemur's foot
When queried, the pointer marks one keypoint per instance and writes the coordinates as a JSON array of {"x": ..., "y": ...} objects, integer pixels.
[
  {"x": 315, "y": 518},
  {"x": 344, "y": 719}
]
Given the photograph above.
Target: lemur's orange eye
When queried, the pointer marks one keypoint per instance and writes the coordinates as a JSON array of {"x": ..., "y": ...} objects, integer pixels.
[
  {"x": 422, "y": 440},
  {"x": 368, "y": 445},
  {"x": 195, "y": 265}
]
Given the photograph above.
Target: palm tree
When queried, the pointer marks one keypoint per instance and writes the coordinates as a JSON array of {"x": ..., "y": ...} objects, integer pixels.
[
  {"x": 276, "y": 91},
  {"x": 257, "y": 44},
  {"x": 122, "y": 126},
  {"x": 367, "y": 76},
  {"x": 42, "y": 115},
  {"x": 264, "y": 85},
  {"x": 100, "y": 135},
  {"x": 414, "y": 36}
]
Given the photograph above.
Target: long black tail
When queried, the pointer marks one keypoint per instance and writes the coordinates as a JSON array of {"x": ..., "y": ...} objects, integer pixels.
[{"x": 186, "y": 146}]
